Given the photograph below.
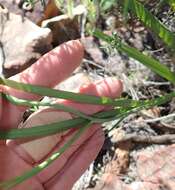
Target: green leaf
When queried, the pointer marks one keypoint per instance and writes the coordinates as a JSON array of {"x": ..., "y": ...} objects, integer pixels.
[
  {"x": 148, "y": 61},
  {"x": 172, "y": 4},
  {"x": 44, "y": 91},
  {"x": 70, "y": 6},
  {"x": 126, "y": 9},
  {"x": 150, "y": 21},
  {"x": 42, "y": 130},
  {"x": 107, "y": 4},
  {"x": 23, "y": 102},
  {"x": 82, "y": 98}
]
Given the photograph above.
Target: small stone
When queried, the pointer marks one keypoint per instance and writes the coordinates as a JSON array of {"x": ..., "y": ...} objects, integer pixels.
[
  {"x": 63, "y": 27},
  {"x": 93, "y": 51},
  {"x": 23, "y": 43},
  {"x": 158, "y": 167},
  {"x": 111, "y": 182},
  {"x": 111, "y": 22}
]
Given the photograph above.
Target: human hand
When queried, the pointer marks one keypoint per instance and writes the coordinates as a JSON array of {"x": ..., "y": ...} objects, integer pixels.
[{"x": 17, "y": 156}]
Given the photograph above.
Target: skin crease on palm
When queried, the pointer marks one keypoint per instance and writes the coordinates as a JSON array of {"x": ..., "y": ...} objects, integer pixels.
[{"x": 17, "y": 156}]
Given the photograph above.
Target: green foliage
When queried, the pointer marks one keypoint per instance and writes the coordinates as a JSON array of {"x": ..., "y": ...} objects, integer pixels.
[
  {"x": 91, "y": 10},
  {"x": 171, "y": 3},
  {"x": 150, "y": 21},
  {"x": 148, "y": 61},
  {"x": 70, "y": 6},
  {"x": 126, "y": 8},
  {"x": 68, "y": 9},
  {"x": 106, "y": 5}
]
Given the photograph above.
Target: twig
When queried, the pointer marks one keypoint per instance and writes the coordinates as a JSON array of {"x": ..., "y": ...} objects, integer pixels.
[
  {"x": 159, "y": 118},
  {"x": 98, "y": 66},
  {"x": 160, "y": 139},
  {"x": 83, "y": 19},
  {"x": 130, "y": 87},
  {"x": 79, "y": 10},
  {"x": 155, "y": 83}
]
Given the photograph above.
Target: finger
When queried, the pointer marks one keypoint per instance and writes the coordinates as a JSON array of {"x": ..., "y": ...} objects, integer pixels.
[
  {"x": 58, "y": 165},
  {"x": 11, "y": 165},
  {"x": 110, "y": 87},
  {"x": 77, "y": 163},
  {"x": 34, "y": 150},
  {"x": 49, "y": 70}
]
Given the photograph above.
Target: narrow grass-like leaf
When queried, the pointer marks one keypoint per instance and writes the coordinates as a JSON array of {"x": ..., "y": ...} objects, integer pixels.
[
  {"x": 70, "y": 6},
  {"x": 106, "y": 5},
  {"x": 44, "y": 91},
  {"x": 82, "y": 98},
  {"x": 171, "y": 3},
  {"x": 58, "y": 127},
  {"x": 6, "y": 185},
  {"x": 110, "y": 115},
  {"x": 42, "y": 130},
  {"x": 150, "y": 21},
  {"x": 126, "y": 9},
  {"x": 148, "y": 61},
  {"x": 23, "y": 102}
]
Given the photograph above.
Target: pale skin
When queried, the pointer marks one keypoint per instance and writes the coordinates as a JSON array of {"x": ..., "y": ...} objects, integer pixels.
[{"x": 51, "y": 69}]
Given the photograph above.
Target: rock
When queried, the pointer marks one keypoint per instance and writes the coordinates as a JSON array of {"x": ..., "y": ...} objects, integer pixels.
[
  {"x": 84, "y": 180},
  {"x": 137, "y": 42},
  {"x": 63, "y": 27},
  {"x": 120, "y": 162},
  {"x": 111, "y": 22},
  {"x": 92, "y": 50},
  {"x": 23, "y": 43},
  {"x": 145, "y": 168},
  {"x": 158, "y": 166},
  {"x": 35, "y": 14},
  {"x": 111, "y": 182},
  {"x": 12, "y": 6},
  {"x": 138, "y": 185}
]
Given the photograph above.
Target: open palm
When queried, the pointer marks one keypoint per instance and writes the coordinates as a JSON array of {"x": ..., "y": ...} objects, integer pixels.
[{"x": 18, "y": 156}]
